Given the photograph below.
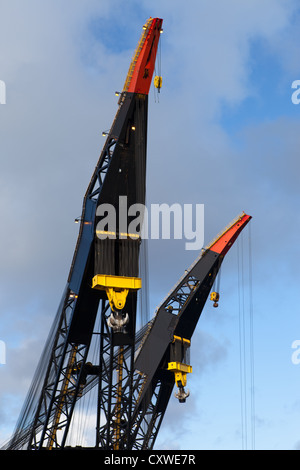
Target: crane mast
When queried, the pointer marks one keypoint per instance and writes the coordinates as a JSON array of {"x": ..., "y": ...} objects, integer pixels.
[{"x": 134, "y": 372}]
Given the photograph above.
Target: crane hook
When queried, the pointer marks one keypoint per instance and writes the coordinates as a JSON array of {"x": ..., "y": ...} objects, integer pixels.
[
  {"x": 182, "y": 395},
  {"x": 117, "y": 321},
  {"x": 158, "y": 82},
  {"x": 215, "y": 297}
]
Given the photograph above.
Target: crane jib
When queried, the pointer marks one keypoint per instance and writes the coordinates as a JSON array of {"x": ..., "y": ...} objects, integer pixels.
[{"x": 94, "y": 342}]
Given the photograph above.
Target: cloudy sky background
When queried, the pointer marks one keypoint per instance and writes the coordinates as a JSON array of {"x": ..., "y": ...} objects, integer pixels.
[{"x": 224, "y": 133}]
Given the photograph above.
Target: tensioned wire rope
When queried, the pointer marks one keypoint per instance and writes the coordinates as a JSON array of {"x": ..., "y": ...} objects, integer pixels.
[
  {"x": 246, "y": 342},
  {"x": 83, "y": 426},
  {"x": 158, "y": 72},
  {"x": 83, "y": 422}
]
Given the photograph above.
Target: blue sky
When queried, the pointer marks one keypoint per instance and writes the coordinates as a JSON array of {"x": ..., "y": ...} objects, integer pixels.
[{"x": 224, "y": 133}]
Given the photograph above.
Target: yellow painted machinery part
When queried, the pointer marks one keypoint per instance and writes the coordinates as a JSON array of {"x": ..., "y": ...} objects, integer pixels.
[
  {"x": 180, "y": 379},
  {"x": 183, "y": 340},
  {"x": 180, "y": 370},
  {"x": 104, "y": 234},
  {"x": 117, "y": 298},
  {"x": 116, "y": 287},
  {"x": 157, "y": 81},
  {"x": 214, "y": 296},
  {"x": 104, "y": 281},
  {"x": 180, "y": 367}
]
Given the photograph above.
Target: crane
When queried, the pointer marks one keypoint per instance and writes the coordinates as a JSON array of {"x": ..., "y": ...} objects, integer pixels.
[{"x": 134, "y": 371}]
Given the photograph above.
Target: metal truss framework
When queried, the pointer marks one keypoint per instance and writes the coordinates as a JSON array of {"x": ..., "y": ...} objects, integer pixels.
[
  {"x": 63, "y": 383},
  {"x": 63, "y": 376},
  {"x": 176, "y": 316},
  {"x": 115, "y": 388},
  {"x": 131, "y": 371}
]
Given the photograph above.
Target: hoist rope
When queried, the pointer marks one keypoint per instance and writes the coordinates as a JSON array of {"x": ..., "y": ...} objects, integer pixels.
[
  {"x": 242, "y": 344},
  {"x": 81, "y": 423},
  {"x": 246, "y": 343},
  {"x": 251, "y": 340},
  {"x": 158, "y": 72},
  {"x": 217, "y": 282}
]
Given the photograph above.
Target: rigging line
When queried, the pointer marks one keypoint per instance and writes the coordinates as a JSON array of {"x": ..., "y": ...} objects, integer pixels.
[
  {"x": 158, "y": 64},
  {"x": 219, "y": 279},
  {"x": 144, "y": 292},
  {"x": 159, "y": 55},
  {"x": 75, "y": 427},
  {"x": 240, "y": 343},
  {"x": 216, "y": 283},
  {"x": 251, "y": 339},
  {"x": 246, "y": 336},
  {"x": 90, "y": 399},
  {"x": 244, "y": 342},
  {"x": 155, "y": 91},
  {"x": 77, "y": 422},
  {"x": 83, "y": 411},
  {"x": 88, "y": 415}
]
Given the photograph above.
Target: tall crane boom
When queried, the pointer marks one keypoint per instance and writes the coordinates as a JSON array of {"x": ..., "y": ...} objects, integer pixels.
[
  {"x": 94, "y": 343},
  {"x": 162, "y": 359},
  {"x": 103, "y": 276}
]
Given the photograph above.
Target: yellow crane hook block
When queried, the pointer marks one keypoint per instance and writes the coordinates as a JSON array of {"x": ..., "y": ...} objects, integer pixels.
[
  {"x": 179, "y": 365},
  {"x": 158, "y": 82},
  {"x": 215, "y": 297},
  {"x": 116, "y": 287}
]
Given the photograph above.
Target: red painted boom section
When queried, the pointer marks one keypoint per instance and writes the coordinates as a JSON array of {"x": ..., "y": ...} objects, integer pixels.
[
  {"x": 142, "y": 67},
  {"x": 225, "y": 241}
]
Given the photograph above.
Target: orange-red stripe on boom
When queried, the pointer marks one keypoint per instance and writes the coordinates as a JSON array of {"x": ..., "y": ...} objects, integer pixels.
[
  {"x": 141, "y": 70},
  {"x": 228, "y": 237}
]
